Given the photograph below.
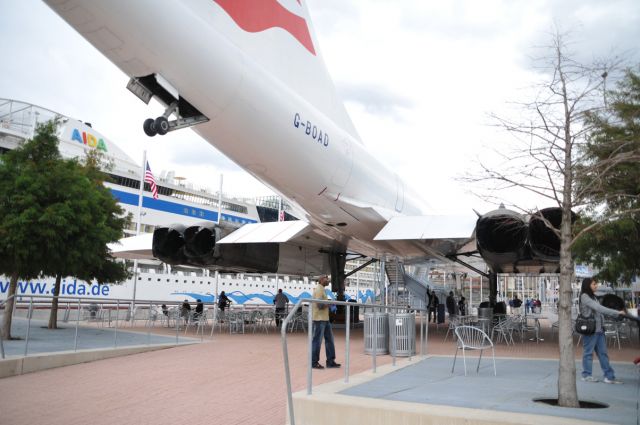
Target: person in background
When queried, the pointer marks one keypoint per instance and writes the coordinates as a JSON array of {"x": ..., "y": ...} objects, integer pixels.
[
  {"x": 165, "y": 311},
  {"x": 280, "y": 300},
  {"x": 517, "y": 303},
  {"x": 589, "y": 306},
  {"x": 199, "y": 309},
  {"x": 185, "y": 311},
  {"x": 223, "y": 303},
  {"x": 451, "y": 305},
  {"x": 462, "y": 306},
  {"x": 433, "y": 307}
]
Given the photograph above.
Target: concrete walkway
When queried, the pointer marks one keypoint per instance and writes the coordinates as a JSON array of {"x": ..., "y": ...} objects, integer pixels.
[{"x": 518, "y": 383}]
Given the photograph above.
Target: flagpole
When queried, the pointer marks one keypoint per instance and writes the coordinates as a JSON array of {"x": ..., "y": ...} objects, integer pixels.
[
  {"x": 135, "y": 262},
  {"x": 141, "y": 191}
]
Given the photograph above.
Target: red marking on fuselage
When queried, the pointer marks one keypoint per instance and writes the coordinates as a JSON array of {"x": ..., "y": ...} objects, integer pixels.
[{"x": 260, "y": 15}]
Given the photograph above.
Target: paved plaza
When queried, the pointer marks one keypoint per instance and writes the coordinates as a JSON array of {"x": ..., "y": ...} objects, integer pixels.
[{"x": 239, "y": 379}]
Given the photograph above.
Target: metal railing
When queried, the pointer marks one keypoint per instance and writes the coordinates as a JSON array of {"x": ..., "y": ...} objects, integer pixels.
[
  {"x": 105, "y": 312},
  {"x": 283, "y": 332}
]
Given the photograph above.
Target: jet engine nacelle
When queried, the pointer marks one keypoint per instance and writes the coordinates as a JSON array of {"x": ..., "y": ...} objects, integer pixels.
[
  {"x": 501, "y": 237},
  {"x": 168, "y": 244},
  {"x": 511, "y": 242},
  {"x": 198, "y": 246},
  {"x": 544, "y": 242}
]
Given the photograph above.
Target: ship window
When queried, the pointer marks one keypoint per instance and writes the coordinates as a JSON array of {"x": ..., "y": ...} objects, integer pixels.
[
  {"x": 158, "y": 279},
  {"x": 168, "y": 280},
  {"x": 149, "y": 279},
  {"x": 139, "y": 277},
  {"x": 193, "y": 281},
  {"x": 185, "y": 281}
]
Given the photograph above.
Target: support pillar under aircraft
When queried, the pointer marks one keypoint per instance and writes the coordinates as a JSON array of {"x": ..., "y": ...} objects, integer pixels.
[{"x": 337, "y": 261}]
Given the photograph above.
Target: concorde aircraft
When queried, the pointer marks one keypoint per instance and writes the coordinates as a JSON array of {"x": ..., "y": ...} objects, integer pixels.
[{"x": 249, "y": 77}]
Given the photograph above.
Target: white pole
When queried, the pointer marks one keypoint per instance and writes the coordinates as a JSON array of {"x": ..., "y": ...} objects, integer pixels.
[
  {"x": 470, "y": 303},
  {"x": 141, "y": 191},
  {"x": 135, "y": 262},
  {"x": 358, "y": 287},
  {"x": 220, "y": 201}
]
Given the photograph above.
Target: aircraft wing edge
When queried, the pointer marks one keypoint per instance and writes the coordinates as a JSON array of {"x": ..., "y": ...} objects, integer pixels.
[
  {"x": 274, "y": 232},
  {"x": 133, "y": 247},
  {"x": 427, "y": 227}
]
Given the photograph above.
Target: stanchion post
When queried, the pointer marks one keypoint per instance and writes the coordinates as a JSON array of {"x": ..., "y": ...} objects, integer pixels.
[
  {"x": 26, "y": 340},
  {"x": 149, "y": 326},
  {"x": 393, "y": 336},
  {"x": 310, "y": 347},
  {"x": 346, "y": 344},
  {"x": 115, "y": 328},
  {"x": 75, "y": 341}
]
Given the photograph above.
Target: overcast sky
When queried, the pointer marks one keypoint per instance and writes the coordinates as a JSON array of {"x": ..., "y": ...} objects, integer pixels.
[{"x": 419, "y": 79}]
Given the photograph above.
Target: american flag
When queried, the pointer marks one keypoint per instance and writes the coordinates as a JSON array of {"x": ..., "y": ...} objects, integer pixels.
[{"x": 148, "y": 177}]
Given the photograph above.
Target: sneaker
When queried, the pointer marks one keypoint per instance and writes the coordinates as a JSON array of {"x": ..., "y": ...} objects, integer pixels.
[
  {"x": 333, "y": 364},
  {"x": 317, "y": 365},
  {"x": 611, "y": 381},
  {"x": 590, "y": 379}
]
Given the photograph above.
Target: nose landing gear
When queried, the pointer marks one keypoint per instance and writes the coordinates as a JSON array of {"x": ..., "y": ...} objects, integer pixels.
[
  {"x": 162, "y": 125},
  {"x": 154, "y": 85},
  {"x": 159, "y": 126}
]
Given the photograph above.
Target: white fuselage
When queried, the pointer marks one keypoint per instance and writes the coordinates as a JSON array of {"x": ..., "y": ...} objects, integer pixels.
[{"x": 256, "y": 119}]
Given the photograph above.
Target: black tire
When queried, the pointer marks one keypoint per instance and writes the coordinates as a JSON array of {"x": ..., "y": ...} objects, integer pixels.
[
  {"x": 149, "y": 127},
  {"x": 162, "y": 125}
]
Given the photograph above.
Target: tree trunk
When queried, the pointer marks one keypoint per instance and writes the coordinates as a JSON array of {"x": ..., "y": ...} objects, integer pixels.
[
  {"x": 567, "y": 390},
  {"x": 5, "y": 330},
  {"x": 53, "y": 316}
]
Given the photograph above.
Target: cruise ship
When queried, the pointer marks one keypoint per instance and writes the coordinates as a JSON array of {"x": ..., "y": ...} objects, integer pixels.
[{"x": 177, "y": 202}]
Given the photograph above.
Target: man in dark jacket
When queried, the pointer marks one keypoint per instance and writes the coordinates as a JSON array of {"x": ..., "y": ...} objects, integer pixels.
[{"x": 451, "y": 304}]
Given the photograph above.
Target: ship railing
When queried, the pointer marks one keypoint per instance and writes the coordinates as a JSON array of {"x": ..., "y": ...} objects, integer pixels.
[{"x": 373, "y": 309}]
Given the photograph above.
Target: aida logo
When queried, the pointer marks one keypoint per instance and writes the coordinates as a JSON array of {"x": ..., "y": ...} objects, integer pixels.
[
  {"x": 260, "y": 15},
  {"x": 88, "y": 139}
]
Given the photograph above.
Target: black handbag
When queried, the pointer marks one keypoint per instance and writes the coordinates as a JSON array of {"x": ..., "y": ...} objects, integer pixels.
[{"x": 585, "y": 325}]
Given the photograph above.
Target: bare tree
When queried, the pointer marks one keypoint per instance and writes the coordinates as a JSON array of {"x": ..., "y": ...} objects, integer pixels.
[{"x": 549, "y": 132}]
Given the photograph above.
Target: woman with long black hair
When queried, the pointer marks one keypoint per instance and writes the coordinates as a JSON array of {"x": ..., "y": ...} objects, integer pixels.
[{"x": 589, "y": 305}]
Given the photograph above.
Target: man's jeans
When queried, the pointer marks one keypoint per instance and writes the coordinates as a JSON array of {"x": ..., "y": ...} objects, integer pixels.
[
  {"x": 598, "y": 343},
  {"x": 320, "y": 328}
]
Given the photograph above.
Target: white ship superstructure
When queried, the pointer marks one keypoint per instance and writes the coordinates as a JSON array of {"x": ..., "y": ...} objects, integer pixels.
[{"x": 178, "y": 202}]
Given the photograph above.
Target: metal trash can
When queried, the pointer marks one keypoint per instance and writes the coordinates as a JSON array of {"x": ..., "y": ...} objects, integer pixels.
[
  {"x": 485, "y": 318},
  {"x": 403, "y": 327},
  {"x": 381, "y": 339}
]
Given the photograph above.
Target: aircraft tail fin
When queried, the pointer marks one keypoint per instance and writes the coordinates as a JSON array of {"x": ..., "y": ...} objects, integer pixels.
[{"x": 279, "y": 36}]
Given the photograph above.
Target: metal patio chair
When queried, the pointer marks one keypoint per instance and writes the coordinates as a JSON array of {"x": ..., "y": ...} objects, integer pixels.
[{"x": 472, "y": 338}]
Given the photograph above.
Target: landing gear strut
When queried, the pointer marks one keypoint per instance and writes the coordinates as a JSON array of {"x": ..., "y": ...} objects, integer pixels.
[{"x": 154, "y": 85}]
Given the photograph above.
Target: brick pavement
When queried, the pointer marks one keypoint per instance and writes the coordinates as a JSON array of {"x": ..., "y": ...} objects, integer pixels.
[{"x": 232, "y": 379}]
